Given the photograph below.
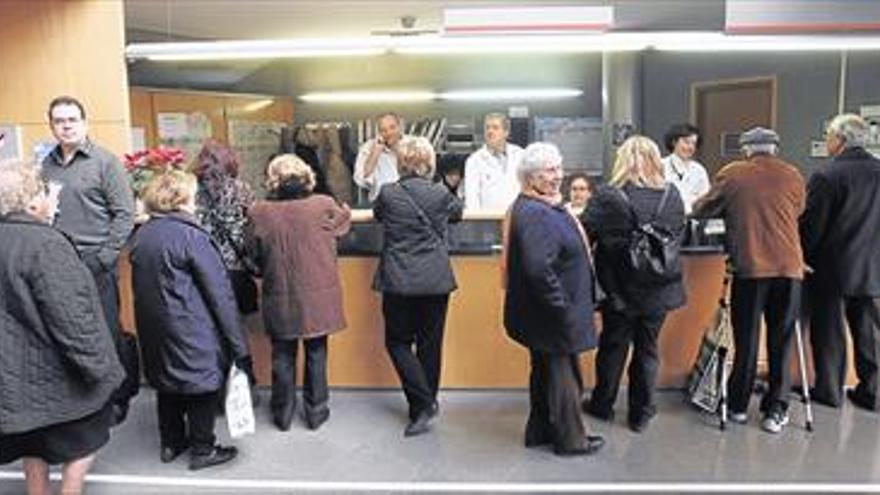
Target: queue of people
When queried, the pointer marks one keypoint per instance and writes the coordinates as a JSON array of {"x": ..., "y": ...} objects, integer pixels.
[{"x": 562, "y": 261}]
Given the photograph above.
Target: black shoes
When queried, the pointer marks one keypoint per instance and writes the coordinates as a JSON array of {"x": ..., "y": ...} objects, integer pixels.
[
  {"x": 422, "y": 423},
  {"x": 218, "y": 455},
  {"x": 168, "y": 454},
  {"x": 590, "y": 445},
  {"x": 314, "y": 420},
  {"x": 282, "y": 415},
  {"x": 605, "y": 414},
  {"x": 860, "y": 401},
  {"x": 639, "y": 423}
]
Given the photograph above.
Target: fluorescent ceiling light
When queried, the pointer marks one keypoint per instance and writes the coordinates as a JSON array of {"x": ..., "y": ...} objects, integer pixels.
[
  {"x": 389, "y": 96},
  {"x": 510, "y": 94},
  {"x": 462, "y": 45},
  {"x": 257, "y": 49},
  {"x": 720, "y": 42},
  {"x": 404, "y": 96}
]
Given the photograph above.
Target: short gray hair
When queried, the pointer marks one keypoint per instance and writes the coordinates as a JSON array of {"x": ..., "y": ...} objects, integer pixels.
[
  {"x": 850, "y": 128},
  {"x": 505, "y": 122},
  {"x": 536, "y": 157},
  {"x": 753, "y": 149},
  {"x": 20, "y": 183}
]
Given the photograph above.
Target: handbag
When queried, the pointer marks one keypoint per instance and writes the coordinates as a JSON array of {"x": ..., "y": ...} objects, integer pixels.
[
  {"x": 239, "y": 408},
  {"x": 245, "y": 289}
]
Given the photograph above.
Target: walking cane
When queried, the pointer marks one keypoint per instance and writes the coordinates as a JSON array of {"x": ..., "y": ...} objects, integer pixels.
[
  {"x": 802, "y": 366},
  {"x": 722, "y": 386}
]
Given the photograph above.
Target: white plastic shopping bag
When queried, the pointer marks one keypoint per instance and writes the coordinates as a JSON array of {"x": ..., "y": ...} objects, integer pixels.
[{"x": 239, "y": 411}]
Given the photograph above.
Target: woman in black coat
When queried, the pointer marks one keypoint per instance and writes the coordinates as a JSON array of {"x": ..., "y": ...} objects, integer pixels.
[
  {"x": 58, "y": 366},
  {"x": 187, "y": 320},
  {"x": 415, "y": 275},
  {"x": 549, "y": 302},
  {"x": 634, "y": 310}
]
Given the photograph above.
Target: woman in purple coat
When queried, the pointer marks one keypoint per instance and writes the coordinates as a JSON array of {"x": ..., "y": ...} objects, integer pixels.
[{"x": 187, "y": 320}]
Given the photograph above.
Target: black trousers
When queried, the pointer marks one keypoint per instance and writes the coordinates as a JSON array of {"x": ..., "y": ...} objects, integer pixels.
[
  {"x": 106, "y": 281},
  {"x": 777, "y": 300},
  {"x": 187, "y": 419},
  {"x": 418, "y": 320},
  {"x": 555, "y": 389},
  {"x": 828, "y": 340},
  {"x": 619, "y": 331},
  {"x": 315, "y": 391}
]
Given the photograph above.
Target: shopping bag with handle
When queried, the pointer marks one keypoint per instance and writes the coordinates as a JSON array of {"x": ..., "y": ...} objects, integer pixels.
[{"x": 239, "y": 410}]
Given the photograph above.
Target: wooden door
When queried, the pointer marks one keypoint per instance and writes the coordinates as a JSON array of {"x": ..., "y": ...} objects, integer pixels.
[{"x": 722, "y": 110}]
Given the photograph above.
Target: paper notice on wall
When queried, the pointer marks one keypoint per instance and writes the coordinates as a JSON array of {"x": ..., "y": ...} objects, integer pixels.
[
  {"x": 171, "y": 125},
  {"x": 138, "y": 139},
  {"x": 187, "y": 131},
  {"x": 10, "y": 141},
  {"x": 255, "y": 143}
]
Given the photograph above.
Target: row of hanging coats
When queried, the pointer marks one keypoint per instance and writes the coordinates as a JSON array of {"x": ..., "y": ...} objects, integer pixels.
[
  {"x": 327, "y": 148},
  {"x": 330, "y": 148}
]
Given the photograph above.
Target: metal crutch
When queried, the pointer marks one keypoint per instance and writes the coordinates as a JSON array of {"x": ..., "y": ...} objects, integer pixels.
[{"x": 802, "y": 366}]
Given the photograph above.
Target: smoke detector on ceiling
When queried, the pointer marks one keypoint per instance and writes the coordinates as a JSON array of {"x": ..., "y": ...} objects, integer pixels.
[{"x": 407, "y": 28}]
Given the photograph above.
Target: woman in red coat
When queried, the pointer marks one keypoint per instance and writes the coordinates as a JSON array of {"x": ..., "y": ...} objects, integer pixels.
[{"x": 292, "y": 238}]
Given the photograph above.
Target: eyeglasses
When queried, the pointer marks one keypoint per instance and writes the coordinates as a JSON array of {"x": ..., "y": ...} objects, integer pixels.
[{"x": 67, "y": 120}]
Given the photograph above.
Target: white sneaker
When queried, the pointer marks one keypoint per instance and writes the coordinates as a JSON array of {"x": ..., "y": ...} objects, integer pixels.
[
  {"x": 739, "y": 417},
  {"x": 774, "y": 422}
]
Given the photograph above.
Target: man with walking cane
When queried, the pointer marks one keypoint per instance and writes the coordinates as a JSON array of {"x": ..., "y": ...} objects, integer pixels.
[{"x": 760, "y": 199}]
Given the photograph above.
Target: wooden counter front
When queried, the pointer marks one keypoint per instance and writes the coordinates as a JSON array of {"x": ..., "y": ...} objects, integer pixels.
[{"x": 477, "y": 352}]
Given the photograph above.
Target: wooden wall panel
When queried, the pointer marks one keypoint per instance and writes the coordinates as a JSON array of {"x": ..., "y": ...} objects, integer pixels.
[
  {"x": 55, "y": 47},
  {"x": 259, "y": 108},
  {"x": 188, "y": 102},
  {"x": 146, "y": 103},
  {"x": 142, "y": 114}
]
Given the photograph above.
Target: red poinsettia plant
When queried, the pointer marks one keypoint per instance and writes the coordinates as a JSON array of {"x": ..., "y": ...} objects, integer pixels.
[{"x": 143, "y": 165}]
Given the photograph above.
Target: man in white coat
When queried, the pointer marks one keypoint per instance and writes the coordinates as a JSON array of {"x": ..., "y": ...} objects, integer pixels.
[{"x": 490, "y": 181}]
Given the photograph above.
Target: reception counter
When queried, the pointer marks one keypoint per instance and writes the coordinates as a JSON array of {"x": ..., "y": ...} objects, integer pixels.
[{"x": 477, "y": 352}]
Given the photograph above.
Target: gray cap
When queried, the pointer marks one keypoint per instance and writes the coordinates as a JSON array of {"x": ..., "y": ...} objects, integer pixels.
[{"x": 758, "y": 135}]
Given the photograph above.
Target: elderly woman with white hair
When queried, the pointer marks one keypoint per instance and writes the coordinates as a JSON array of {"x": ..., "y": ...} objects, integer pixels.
[
  {"x": 549, "y": 302},
  {"x": 292, "y": 239},
  {"x": 415, "y": 275},
  {"x": 636, "y": 303},
  {"x": 59, "y": 364}
]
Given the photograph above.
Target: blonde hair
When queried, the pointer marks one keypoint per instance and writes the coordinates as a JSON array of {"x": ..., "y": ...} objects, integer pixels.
[
  {"x": 168, "y": 191},
  {"x": 638, "y": 161},
  {"x": 415, "y": 156},
  {"x": 20, "y": 183},
  {"x": 284, "y": 168}
]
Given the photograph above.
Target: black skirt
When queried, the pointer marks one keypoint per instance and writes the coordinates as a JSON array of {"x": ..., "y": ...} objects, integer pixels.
[{"x": 59, "y": 443}]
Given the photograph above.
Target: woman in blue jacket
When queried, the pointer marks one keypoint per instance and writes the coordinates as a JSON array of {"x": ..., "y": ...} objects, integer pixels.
[
  {"x": 186, "y": 318},
  {"x": 549, "y": 303}
]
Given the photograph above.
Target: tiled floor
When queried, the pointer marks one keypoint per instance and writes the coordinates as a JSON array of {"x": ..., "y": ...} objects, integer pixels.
[{"x": 478, "y": 440}]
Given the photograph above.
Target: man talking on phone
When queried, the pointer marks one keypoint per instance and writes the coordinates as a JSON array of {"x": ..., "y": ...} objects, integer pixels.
[{"x": 376, "y": 163}]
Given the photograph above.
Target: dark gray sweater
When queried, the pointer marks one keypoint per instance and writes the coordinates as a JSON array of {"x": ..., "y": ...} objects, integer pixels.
[{"x": 96, "y": 204}]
